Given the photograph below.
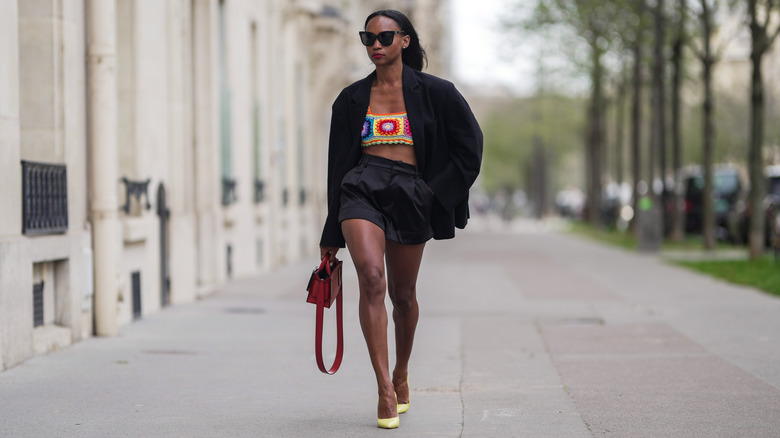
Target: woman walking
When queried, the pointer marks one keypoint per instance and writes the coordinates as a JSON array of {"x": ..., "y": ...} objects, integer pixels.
[{"x": 404, "y": 150}]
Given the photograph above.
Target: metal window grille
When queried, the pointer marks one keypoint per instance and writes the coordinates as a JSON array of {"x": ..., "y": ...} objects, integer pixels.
[
  {"x": 229, "y": 195},
  {"x": 259, "y": 191},
  {"x": 136, "y": 280},
  {"x": 44, "y": 198},
  {"x": 230, "y": 261},
  {"x": 38, "y": 304}
]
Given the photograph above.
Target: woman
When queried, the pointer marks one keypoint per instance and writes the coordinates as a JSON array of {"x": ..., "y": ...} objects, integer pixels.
[{"x": 404, "y": 150}]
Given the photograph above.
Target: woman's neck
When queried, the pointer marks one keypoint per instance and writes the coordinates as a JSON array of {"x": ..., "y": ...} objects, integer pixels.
[{"x": 389, "y": 75}]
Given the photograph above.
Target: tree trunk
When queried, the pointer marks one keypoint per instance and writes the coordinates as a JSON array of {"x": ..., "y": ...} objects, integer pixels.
[
  {"x": 708, "y": 208},
  {"x": 755, "y": 162},
  {"x": 759, "y": 43},
  {"x": 636, "y": 120},
  {"x": 620, "y": 104},
  {"x": 539, "y": 179},
  {"x": 678, "y": 210},
  {"x": 595, "y": 137},
  {"x": 658, "y": 123}
]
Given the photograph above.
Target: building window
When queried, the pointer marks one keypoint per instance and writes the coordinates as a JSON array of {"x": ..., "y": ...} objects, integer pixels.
[
  {"x": 38, "y": 304},
  {"x": 224, "y": 107},
  {"x": 259, "y": 184},
  {"x": 44, "y": 198},
  {"x": 135, "y": 280}
]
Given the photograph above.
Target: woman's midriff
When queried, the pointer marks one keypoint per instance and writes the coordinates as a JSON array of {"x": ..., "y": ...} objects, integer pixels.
[{"x": 395, "y": 152}]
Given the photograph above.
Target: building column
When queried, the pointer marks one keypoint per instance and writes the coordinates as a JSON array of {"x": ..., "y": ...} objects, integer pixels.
[{"x": 103, "y": 147}]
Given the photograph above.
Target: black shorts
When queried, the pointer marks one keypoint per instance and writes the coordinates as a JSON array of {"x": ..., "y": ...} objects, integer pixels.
[{"x": 392, "y": 195}]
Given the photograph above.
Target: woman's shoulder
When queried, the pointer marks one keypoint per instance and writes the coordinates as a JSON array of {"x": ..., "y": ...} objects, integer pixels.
[
  {"x": 355, "y": 88},
  {"x": 438, "y": 89},
  {"x": 433, "y": 82},
  {"x": 349, "y": 90}
]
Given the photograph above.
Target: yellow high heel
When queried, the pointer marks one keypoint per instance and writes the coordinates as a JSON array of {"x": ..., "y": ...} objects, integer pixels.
[
  {"x": 403, "y": 407},
  {"x": 388, "y": 423}
]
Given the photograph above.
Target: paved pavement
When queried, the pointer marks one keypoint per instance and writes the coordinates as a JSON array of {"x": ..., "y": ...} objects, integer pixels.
[{"x": 522, "y": 334}]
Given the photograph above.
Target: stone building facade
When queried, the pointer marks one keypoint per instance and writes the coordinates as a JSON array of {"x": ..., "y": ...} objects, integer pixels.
[{"x": 153, "y": 150}]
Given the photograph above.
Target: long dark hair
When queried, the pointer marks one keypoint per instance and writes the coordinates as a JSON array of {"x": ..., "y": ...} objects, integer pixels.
[{"x": 414, "y": 55}]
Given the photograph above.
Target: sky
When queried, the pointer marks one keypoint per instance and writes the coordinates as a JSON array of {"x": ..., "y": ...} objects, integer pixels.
[{"x": 481, "y": 55}]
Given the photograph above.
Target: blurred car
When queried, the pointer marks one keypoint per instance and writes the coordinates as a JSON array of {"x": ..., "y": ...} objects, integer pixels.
[
  {"x": 728, "y": 188},
  {"x": 613, "y": 198},
  {"x": 772, "y": 207},
  {"x": 773, "y": 184},
  {"x": 740, "y": 215},
  {"x": 570, "y": 203}
]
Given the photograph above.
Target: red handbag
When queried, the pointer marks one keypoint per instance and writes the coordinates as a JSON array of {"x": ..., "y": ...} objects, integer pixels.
[{"x": 325, "y": 288}]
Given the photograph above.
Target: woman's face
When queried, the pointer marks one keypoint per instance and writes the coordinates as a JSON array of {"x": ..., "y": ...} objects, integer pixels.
[{"x": 385, "y": 55}]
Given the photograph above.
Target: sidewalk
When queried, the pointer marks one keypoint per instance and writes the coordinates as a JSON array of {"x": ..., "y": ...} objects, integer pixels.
[{"x": 527, "y": 333}]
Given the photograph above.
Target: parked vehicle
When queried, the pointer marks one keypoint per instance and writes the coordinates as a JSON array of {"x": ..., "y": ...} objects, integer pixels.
[
  {"x": 570, "y": 202},
  {"x": 739, "y": 218},
  {"x": 773, "y": 183},
  {"x": 728, "y": 188}
]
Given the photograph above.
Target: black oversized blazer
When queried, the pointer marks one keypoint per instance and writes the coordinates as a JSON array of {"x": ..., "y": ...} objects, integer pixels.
[{"x": 447, "y": 145}]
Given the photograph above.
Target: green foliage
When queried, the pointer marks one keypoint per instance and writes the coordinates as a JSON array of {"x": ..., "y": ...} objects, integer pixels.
[
  {"x": 578, "y": 28},
  {"x": 573, "y": 31},
  {"x": 512, "y": 126},
  {"x": 691, "y": 244},
  {"x": 621, "y": 239},
  {"x": 731, "y": 115},
  {"x": 763, "y": 273}
]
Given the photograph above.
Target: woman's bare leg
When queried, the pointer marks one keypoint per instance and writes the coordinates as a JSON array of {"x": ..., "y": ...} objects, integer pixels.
[
  {"x": 366, "y": 243},
  {"x": 403, "y": 265}
]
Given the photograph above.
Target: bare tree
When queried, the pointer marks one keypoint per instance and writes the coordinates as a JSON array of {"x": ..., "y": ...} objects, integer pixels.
[
  {"x": 593, "y": 22},
  {"x": 763, "y": 33},
  {"x": 708, "y": 58},
  {"x": 637, "y": 48},
  {"x": 678, "y": 43},
  {"x": 658, "y": 115},
  {"x": 620, "y": 104}
]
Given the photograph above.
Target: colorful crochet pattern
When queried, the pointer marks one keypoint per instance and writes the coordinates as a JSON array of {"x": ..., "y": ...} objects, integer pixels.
[{"x": 386, "y": 129}]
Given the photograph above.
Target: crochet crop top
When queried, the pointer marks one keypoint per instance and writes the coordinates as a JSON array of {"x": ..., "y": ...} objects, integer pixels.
[{"x": 386, "y": 129}]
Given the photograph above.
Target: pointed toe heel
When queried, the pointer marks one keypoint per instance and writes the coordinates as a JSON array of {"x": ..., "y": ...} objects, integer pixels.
[{"x": 388, "y": 423}]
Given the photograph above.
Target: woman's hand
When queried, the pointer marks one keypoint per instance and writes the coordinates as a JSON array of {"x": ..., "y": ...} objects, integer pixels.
[{"x": 328, "y": 249}]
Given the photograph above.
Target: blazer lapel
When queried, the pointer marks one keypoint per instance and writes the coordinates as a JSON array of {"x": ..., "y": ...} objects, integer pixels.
[
  {"x": 359, "y": 105},
  {"x": 413, "y": 99}
]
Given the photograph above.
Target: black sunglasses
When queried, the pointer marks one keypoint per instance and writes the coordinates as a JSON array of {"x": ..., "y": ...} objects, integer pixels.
[{"x": 385, "y": 38}]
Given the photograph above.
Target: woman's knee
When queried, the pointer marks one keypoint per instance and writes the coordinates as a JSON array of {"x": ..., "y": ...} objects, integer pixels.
[
  {"x": 372, "y": 281},
  {"x": 404, "y": 299}
]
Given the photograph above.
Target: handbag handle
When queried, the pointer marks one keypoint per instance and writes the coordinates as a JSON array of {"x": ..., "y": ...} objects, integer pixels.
[
  {"x": 325, "y": 264},
  {"x": 319, "y": 323}
]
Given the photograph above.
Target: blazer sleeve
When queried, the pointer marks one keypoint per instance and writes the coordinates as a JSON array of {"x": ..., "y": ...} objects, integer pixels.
[
  {"x": 463, "y": 138},
  {"x": 338, "y": 144}
]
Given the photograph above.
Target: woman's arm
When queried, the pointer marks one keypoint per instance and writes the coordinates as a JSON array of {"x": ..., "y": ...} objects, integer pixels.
[
  {"x": 464, "y": 142},
  {"x": 338, "y": 142}
]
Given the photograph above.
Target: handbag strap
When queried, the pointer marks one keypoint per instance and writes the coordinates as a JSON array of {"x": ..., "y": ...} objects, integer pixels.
[
  {"x": 339, "y": 334},
  {"x": 325, "y": 264}
]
